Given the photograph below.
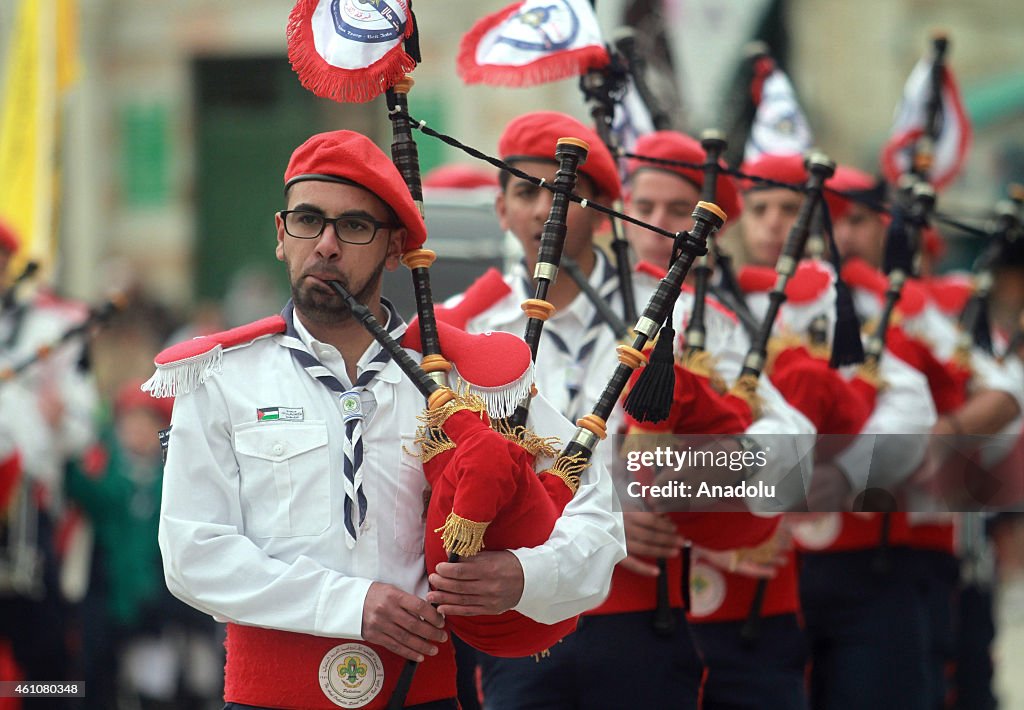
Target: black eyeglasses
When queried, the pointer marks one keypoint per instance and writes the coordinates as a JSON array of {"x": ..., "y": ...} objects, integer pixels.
[{"x": 351, "y": 229}]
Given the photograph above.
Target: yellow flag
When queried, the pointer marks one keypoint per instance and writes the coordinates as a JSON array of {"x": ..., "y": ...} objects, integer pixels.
[{"x": 40, "y": 63}]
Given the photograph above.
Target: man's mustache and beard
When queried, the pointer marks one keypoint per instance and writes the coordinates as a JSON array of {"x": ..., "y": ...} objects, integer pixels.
[{"x": 322, "y": 305}]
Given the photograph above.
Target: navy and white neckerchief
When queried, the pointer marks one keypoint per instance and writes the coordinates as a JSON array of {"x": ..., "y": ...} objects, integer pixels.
[
  {"x": 609, "y": 285},
  {"x": 351, "y": 408}
]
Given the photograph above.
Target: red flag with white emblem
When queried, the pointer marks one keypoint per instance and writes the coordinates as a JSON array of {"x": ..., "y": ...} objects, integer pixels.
[
  {"x": 948, "y": 130},
  {"x": 350, "y": 50},
  {"x": 532, "y": 42},
  {"x": 780, "y": 126}
]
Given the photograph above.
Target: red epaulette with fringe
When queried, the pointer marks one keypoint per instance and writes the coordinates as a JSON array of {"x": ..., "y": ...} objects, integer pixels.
[{"x": 183, "y": 367}]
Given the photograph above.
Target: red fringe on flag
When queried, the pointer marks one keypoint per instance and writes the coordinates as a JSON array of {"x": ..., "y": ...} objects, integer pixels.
[
  {"x": 330, "y": 82},
  {"x": 763, "y": 67},
  {"x": 898, "y": 143},
  {"x": 552, "y": 67}
]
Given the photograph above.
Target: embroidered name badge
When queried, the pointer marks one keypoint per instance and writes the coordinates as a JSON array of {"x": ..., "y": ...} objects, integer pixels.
[
  {"x": 351, "y": 675},
  {"x": 284, "y": 414}
]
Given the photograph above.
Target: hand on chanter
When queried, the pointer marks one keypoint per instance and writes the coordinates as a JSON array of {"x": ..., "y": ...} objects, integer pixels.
[
  {"x": 486, "y": 583},
  {"x": 650, "y": 535}
]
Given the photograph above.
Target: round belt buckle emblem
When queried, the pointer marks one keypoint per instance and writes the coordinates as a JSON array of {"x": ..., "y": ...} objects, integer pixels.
[
  {"x": 707, "y": 590},
  {"x": 351, "y": 675}
]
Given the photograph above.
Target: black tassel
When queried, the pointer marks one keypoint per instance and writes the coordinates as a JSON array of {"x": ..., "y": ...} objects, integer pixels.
[
  {"x": 982, "y": 333},
  {"x": 847, "y": 348},
  {"x": 898, "y": 253},
  {"x": 650, "y": 400}
]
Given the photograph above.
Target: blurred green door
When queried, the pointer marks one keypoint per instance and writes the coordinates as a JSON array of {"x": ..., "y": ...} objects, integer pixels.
[{"x": 250, "y": 114}]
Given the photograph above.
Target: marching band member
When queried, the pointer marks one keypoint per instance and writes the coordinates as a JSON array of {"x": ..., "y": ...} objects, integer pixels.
[
  {"x": 575, "y": 358},
  {"x": 47, "y": 413},
  {"x": 740, "y": 671},
  {"x": 272, "y": 521},
  {"x": 841, "y": 549},
  {"x": 983, "y": 398}
]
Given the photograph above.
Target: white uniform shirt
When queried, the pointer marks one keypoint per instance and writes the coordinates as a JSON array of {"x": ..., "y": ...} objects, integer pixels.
[{"x": 251, "y": 526}]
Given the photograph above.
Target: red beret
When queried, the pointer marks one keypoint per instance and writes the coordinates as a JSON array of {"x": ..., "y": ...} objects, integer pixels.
[
  {"x": 9, "y": 241},
  {"x": 782, "y": 168},
  {"x": 849, "y": 180},
  {"x": 347, "y": 156},
  {"x": 460, "y": 177},
  {"x": 534, "y": 135},
  {"x": 671, "y": 145}
]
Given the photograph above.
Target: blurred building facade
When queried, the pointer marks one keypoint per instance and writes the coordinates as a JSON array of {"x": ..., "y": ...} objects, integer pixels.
[{"x": 179, "y": 129}]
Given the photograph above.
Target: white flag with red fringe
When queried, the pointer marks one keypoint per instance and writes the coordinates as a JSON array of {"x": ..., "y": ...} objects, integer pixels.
[
  {"x": 532, "y": 42},
  {"x": 350, "y": 50},
  {"x": 780, "y": 126},
  {"x": 953, "y": 137}
]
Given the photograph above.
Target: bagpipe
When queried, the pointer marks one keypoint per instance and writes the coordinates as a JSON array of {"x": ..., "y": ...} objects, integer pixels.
[
  {"x": 512, "y": 506},
  {"x": 96, "y": 316},
  {"x": 9, "y": 300}
]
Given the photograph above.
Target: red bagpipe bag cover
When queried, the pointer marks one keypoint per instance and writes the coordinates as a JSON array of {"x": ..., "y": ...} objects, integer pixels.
[{"x": 485, "y": 491}]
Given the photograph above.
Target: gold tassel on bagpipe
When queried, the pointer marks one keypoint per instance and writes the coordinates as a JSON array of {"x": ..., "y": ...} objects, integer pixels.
[
  {"x": 430, "y": 437},
  {"x": 569, "y": 469},
  {"x": 780, "y": 343},
  {"x": 534, "y": 444},
  {"x": 462, "y": 537},
  {"x": 871, "y": 373},
  {"x": 746, "y": 389}
]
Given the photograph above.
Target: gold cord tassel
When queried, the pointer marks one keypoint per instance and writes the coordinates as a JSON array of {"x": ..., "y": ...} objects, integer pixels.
[
  {"x": 462, "y": 537},
  {"x": 746, "y": 389},
  {"x": 463, "y": 400},
  {"x": 871, "y": 373},
  {"x": 431, "y": 442},
  {"x": 430, "y": 437},
  {"x": 569, "y": 469},
  {"x": 534, "y": 444}
]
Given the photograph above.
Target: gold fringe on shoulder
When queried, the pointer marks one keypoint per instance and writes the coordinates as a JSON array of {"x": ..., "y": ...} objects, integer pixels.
[
  {"x": 534, "y": 444},
  {"x": 461, "y": 536},
  {"x": 569, "y": 469},
  {"x": 746, "y": 389}
]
